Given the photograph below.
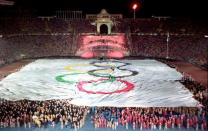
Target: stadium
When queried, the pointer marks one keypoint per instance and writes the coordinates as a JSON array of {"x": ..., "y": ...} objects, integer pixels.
[{"x": 71, "y": 68}]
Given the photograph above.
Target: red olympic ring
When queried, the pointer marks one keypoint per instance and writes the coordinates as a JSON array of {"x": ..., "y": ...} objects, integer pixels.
[{"x": 129, "y": 86}]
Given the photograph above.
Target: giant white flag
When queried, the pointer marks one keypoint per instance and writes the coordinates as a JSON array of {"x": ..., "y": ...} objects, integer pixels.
[{"x": 121, "y": 83}]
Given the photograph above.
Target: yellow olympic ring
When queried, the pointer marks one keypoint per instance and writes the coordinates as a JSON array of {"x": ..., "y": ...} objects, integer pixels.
[{"x": 72, "y": 66}]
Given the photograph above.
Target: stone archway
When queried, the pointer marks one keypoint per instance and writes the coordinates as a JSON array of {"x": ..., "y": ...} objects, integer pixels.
[{"x": 104, "y": 29}]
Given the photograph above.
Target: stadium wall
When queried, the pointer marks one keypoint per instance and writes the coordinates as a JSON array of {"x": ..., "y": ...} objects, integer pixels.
[{"x": 35, "y": 37}]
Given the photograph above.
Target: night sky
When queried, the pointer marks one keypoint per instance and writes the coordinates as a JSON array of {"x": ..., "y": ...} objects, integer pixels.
[{"x": 178, "y": 8}]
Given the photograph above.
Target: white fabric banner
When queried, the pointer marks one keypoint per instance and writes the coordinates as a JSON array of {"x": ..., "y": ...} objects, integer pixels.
[{"x": 120, "y": 83}]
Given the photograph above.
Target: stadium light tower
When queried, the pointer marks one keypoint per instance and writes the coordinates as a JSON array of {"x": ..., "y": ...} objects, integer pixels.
[
  {"x": 167, "y": 45},
  {"x": 134, "y": 7}
]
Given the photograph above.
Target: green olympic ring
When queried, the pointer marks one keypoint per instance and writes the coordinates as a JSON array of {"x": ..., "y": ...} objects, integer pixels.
[{"x": 60, "y": 78}]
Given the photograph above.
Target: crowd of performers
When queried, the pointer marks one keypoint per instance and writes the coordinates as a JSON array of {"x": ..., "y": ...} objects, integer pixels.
[
  {"x": 29, "y": 114},
  {"x": 150, "y": 118},
  {"x": 199, "y": 92},
  {"x": 62, "y": 113}
]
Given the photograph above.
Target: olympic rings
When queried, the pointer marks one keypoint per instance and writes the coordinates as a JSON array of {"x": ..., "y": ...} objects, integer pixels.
[{"x": 103, "y": 72}]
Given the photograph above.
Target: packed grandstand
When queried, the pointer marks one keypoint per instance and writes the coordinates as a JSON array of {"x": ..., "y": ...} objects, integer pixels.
[{"x": 167, "y": 40}]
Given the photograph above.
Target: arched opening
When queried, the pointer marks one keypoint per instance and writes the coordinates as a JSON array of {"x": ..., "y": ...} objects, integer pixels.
[{"x": 103, "y": 29}]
